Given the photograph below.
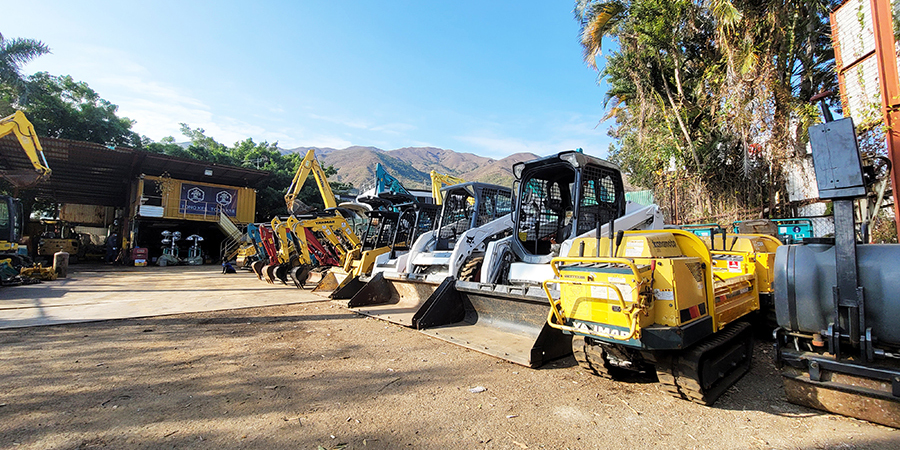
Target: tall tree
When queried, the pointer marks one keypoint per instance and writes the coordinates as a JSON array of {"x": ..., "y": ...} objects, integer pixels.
[
  {"x": 14, "y": 53},
  {"x": 61, "y": 107},
  {"x": 715, "y": 91}
]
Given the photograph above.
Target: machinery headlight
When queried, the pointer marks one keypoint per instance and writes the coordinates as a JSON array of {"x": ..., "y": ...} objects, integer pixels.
[
  {"x": 518, "y": 168},
  {"x": 570, "y": 157}
]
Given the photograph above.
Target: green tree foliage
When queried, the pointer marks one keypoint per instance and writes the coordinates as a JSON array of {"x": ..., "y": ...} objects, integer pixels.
[
  {"x": 247, "y": 153},
  {"x": 61, "y": 107},
  {"x": 715, "y": 91},
  {"x": 14, "y": 53}
]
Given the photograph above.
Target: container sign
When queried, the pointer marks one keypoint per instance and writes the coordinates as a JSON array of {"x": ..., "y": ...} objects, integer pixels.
[{"x": 206, "y": 200}]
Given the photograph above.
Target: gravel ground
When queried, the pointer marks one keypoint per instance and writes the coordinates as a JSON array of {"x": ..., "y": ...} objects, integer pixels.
[{"x": 315, "y": 375}]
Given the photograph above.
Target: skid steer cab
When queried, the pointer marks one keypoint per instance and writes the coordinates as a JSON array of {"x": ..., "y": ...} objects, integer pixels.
[
  {"x": 649, "y": 301},
  {"x": 472, "y": 215},
  {"x": 386, "y": 242},
  {"x": 502, "y": 311}
]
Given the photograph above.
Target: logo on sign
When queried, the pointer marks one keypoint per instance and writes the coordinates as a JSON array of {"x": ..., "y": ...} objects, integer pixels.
[
  {"x": 196, "y": 195},
  {"x": 223, "y": 198},
  {"x": 734, "y": 266}
]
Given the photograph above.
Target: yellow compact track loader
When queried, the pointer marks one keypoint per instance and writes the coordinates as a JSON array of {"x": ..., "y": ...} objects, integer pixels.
[
  {"x": 650, "y": 301},
  {"x": 740, "y": 254}
]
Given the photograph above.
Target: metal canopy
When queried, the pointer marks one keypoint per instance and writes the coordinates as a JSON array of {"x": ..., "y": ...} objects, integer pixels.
[{"x": 93, "y": 174}]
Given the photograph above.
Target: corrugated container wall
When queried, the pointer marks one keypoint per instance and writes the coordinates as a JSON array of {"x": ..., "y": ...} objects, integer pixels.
[{"x": 190, "y": 200}]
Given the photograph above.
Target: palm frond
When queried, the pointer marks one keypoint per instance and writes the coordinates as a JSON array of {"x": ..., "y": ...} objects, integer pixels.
[
  {"x": 596, "y": 19},
  {"x": 21, "y": 50}
]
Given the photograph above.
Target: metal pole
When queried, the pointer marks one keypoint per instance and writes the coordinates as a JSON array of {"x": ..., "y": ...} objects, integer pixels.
[{"x": 882, "y": 25}]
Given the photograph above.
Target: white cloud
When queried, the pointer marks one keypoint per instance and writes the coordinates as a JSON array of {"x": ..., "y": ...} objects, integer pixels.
[
  {"x": 395, "y": 128},
  {"x": 501, "y": 147}
]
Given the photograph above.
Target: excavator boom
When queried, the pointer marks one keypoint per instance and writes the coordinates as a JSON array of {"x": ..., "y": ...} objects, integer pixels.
[
  {"x": 24, "y": 131},
  {"x": 307, "y": 165},
  {"x": 438, "y": 180}
]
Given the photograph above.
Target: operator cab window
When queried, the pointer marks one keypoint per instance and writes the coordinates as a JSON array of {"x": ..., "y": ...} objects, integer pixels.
[
  {"x": 600, "y": 198},
  {"x": 546, "y": 210},
  {"x": 457, "y": 218}
]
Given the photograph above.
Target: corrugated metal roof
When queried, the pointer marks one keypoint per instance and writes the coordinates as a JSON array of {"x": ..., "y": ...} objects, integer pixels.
[{"x": 93, "y": 174}]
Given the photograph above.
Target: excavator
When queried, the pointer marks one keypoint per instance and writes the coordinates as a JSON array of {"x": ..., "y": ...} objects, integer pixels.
[
  {"x": 438, "y": 181},
  {"x": 19, "y": 125},
  {"x": 291, "y": 244},
  {"x": 396, "y": 219},
  {"x": 12, "y": 216}
]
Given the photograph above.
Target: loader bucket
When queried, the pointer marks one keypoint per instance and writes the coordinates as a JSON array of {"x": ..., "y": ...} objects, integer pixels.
[
  {"x": 348, "y": 289},
  {"x": 508, "y": 322},
  {"x": 329, "y": 281},
  {"x": 393, "y": 300}
]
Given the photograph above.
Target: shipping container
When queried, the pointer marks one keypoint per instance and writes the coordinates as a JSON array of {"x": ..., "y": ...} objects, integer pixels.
[{"x": 169, "y": 198}]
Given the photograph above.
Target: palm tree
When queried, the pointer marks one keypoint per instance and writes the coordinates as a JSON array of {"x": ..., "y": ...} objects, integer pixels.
[
  {"x": 596, "y": 19},
  {"x": 14, "y": 53}
]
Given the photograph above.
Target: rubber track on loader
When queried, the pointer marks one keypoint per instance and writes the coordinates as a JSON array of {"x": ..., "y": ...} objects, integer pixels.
[
  {"x": 681, "y": 375},
  {"x": 591, "y": 358}
]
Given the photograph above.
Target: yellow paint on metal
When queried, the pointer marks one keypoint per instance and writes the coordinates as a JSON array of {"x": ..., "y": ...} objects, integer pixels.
[{"x": 654, "y": 277}]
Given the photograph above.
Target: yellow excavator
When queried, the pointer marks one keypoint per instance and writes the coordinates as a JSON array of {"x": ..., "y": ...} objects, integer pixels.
[
  {"x": 12, "y": 216},
  {"x": 19, "y": 125},
  {"x": 329, "y": 228},
  {"x": 307, "y": 165},
  {"x": 438, "y": 181}
]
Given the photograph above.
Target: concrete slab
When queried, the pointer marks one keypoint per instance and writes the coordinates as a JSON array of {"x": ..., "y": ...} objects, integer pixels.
[{"x": 97, "y": 292}]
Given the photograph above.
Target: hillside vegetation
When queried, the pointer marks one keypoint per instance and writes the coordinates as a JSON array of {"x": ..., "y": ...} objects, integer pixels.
[{"x": 412, "y": 165}]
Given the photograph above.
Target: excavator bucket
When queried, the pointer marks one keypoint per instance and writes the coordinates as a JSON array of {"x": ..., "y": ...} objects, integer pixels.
[
  {"x": 257, "y": 267},
  {"x": 507, "y": 322},
  {"x": 281, "y": 272},
  {"x": 299, "y": 275},
  {"x": 268, "y": 272},
  {"x": 392, "y": 299}
]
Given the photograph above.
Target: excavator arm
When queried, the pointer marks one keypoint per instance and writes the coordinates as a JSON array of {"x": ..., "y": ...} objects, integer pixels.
[
  {"x": 24, "y": 131},
  {"x": 307, "y": 165},
  {"x": 438, "y": 180}
]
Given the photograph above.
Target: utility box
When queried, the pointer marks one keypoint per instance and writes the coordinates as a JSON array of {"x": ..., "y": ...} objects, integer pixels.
[
  {"x": 836, "y": 158},
  {"x": 139, "y": 256}
]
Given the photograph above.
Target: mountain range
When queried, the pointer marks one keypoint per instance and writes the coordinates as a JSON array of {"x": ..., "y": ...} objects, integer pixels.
[{"x": 413, "y": 165}]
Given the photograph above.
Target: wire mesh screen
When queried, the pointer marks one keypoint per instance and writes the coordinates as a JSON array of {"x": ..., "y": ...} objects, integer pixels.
[
  {"x": 457, "y": 216},
  {"x": 426, "y": 220},
  {"x": 380, "y": 232},
  {"x": 545, "y": 205},
  {"x": 495, "y": 203},
  {"x": 599, "y": 198}
]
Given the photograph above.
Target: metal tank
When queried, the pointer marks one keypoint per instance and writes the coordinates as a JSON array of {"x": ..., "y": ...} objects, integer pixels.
[{"x": 805, "y": 277}]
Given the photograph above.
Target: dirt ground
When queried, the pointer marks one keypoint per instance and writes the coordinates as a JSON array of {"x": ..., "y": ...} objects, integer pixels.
[{"x": 314, "y": 375}]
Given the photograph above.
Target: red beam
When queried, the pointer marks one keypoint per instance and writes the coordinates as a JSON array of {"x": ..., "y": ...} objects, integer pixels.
[{"x": 890, "y": 90}]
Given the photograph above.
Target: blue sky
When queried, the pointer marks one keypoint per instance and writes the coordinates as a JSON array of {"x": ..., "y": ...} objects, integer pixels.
[{"x": 486, "y": 77}]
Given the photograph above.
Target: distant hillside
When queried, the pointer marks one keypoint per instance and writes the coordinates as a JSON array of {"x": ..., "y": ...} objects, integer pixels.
[{"x": 412, "y": 165}]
